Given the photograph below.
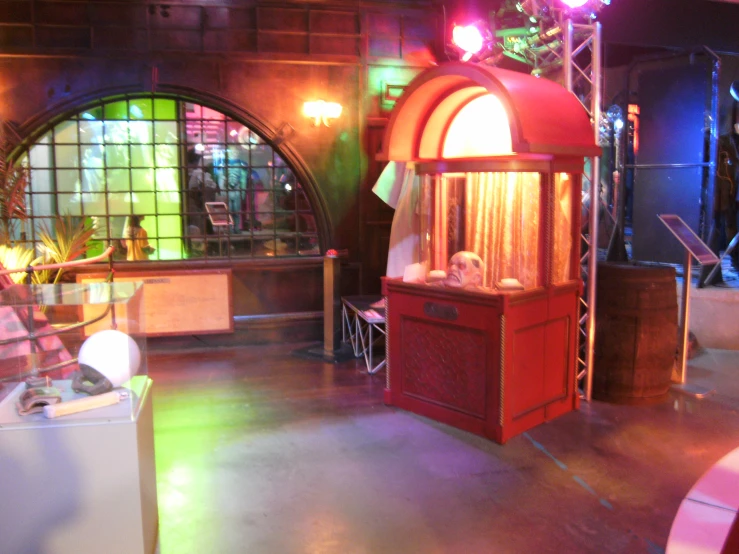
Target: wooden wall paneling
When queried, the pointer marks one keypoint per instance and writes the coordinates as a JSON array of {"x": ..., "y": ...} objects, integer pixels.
[
  {"x": 274, "y": 289},
  {"x": 377, "y": 217},
  {"x": 175, "y": 302}
]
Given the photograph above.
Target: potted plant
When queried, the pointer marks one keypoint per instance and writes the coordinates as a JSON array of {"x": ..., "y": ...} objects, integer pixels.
[{"x": 66, "y": 241}]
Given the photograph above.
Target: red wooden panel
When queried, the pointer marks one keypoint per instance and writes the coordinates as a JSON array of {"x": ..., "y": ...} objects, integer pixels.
[
  {"x": 230, "y": 41},
  {"x": 563, "y": 307},
  {"x": 526, "y": 385},
  {"x": 384, "y": 47},
  {"x": 345, "y": 46},
  {"x": 117, "y": 14},
  {"x": 231, "y": 18},
  {"x": 345, "y": 23},
  {"x": 465, "y": 352},
  {"x": 175, "y": 17},
  {"x": 420, "y": 28},
  {"x": 15, "y": 12},
  {"x": 175, "y": 40},
  {"x": 281, "y": 42},
  {"x": 63, "y": 37},
  {"x": 383, "y": 24},
  {"x": 120, "y": 38},
  {"x": 16, "y": 36},
  {"x": 556, "y": 349},
  {"x": 58, "y": 13},
  {"x": 443, "y": 344},
  {"x": 473, "y": 310},
  {"x": 444, "y": 364},
  {"x": 282, "y": 19}
]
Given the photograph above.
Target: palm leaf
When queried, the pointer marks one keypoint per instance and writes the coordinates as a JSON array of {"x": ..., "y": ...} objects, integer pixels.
[
  {"x": 13, "y": 183},
  {"x": 46, "y": 275},
  {"x": 68, "y": 242},
  {"x": 13, "y": 257}
]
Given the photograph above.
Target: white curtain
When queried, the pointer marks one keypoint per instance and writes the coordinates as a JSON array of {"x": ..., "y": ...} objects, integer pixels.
[{"x": 398, "y": 187}]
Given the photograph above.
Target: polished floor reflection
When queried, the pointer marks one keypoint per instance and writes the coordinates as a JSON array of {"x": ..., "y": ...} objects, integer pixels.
[{"x": 261, "y": 452}]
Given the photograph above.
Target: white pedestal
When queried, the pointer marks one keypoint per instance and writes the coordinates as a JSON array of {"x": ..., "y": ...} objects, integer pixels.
[{"x": 84, "y": 483}]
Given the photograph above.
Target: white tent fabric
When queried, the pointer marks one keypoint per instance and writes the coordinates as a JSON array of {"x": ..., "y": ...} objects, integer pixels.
[{"x": 398, "y": 187}]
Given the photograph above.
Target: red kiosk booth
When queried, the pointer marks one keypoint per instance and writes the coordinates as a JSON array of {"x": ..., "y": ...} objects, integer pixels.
[{"x": 498, "y": 158}]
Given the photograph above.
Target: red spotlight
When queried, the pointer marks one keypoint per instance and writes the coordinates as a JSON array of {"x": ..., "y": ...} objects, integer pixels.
[
  {"x": 468, "y": 39},
  {"x": 574, "y": 3}
]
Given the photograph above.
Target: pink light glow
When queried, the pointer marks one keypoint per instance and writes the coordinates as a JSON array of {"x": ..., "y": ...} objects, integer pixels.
[
  {"x": 574, "y": 3},
  {"x": 468, "y": 39}
]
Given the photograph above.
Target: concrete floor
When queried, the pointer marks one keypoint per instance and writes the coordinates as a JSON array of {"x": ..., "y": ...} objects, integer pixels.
[{"x": 261, "y": 452}]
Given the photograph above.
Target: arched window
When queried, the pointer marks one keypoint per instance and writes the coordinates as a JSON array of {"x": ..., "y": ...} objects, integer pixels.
[{"x": 202, "y": 184}]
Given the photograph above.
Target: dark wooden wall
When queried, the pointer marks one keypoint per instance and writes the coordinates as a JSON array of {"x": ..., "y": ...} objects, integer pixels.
[{"x": 258, "y": 61}]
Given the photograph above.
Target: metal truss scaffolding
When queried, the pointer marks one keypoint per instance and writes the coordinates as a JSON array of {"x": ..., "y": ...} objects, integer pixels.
[
  {"x": 549, "y": 38},
  {"x": 583, "y": 77}
]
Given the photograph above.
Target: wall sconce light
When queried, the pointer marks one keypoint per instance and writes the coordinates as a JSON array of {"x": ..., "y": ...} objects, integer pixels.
[{"x": 321, "y": 111}]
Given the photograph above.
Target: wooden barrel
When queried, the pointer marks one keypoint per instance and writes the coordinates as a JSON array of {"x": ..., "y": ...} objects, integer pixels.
[{"x": 635, "y": 333}]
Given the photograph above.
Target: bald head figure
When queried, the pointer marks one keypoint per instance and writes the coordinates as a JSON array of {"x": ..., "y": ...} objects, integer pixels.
[{"x": 464, "y": 271}]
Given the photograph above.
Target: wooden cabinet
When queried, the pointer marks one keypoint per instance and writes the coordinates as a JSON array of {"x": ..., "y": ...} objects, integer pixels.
[{"x": 494, "y": 364}]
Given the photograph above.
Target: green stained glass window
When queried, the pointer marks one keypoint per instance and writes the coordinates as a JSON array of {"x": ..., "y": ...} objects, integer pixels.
[
  {"x": 141, "y": 108},
  {"x": 163, "y": 159},
  {"x": 115, "y": 110},
  {"x": 165, "y": 109},
  {"x": 66, "y": 133}
]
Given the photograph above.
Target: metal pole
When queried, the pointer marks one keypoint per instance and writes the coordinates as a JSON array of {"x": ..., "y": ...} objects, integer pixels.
[
  {"x": 597, "y": 93},
  {"x": 685, "y": 318},
  {"x": 708, "y": 211},
  {"x": 567, "y": 62},
  {"x": 331, "y": 303}
]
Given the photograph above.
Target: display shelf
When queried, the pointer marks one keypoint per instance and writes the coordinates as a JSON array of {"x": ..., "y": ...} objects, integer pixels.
[
  {"x": 80, "y": 483},
  {"x": 125, "y": 410}
]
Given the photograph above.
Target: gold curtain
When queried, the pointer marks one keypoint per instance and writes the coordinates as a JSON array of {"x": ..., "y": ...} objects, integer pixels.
[
  {"x": 562, "y": 227},
  {"x": 502, "y": 225}
]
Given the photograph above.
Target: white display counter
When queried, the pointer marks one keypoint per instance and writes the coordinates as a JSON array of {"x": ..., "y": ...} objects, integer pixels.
[{"x": 82, "y": 483}]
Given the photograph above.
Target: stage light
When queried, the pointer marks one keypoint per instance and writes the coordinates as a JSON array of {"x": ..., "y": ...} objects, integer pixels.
[
  {"x": 574, "y": 3},
  {"x": 468, "y": 39}
]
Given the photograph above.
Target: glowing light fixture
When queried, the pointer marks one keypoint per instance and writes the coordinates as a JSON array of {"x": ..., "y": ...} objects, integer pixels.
[
  {"x": 480, "y": 128},
  {"x": 321, "y": 111},
  {"x": 468, "y": 39},
  {"x": 574, "y": 3}
]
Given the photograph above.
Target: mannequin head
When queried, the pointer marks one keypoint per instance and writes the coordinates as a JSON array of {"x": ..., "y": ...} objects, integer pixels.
[{"x": 464, "y": 271}]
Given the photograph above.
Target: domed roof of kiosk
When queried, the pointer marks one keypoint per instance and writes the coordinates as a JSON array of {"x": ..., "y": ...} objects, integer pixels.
[{"x": 543, "y": 117}]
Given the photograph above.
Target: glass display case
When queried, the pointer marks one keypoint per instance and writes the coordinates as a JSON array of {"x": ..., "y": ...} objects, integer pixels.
[
  {"x": 65, "y": 343},
  {"x": 498, "y": 215}
]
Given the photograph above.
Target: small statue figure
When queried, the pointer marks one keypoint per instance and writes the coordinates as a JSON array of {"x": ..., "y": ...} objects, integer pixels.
[{"x": 464, "y": 271}]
